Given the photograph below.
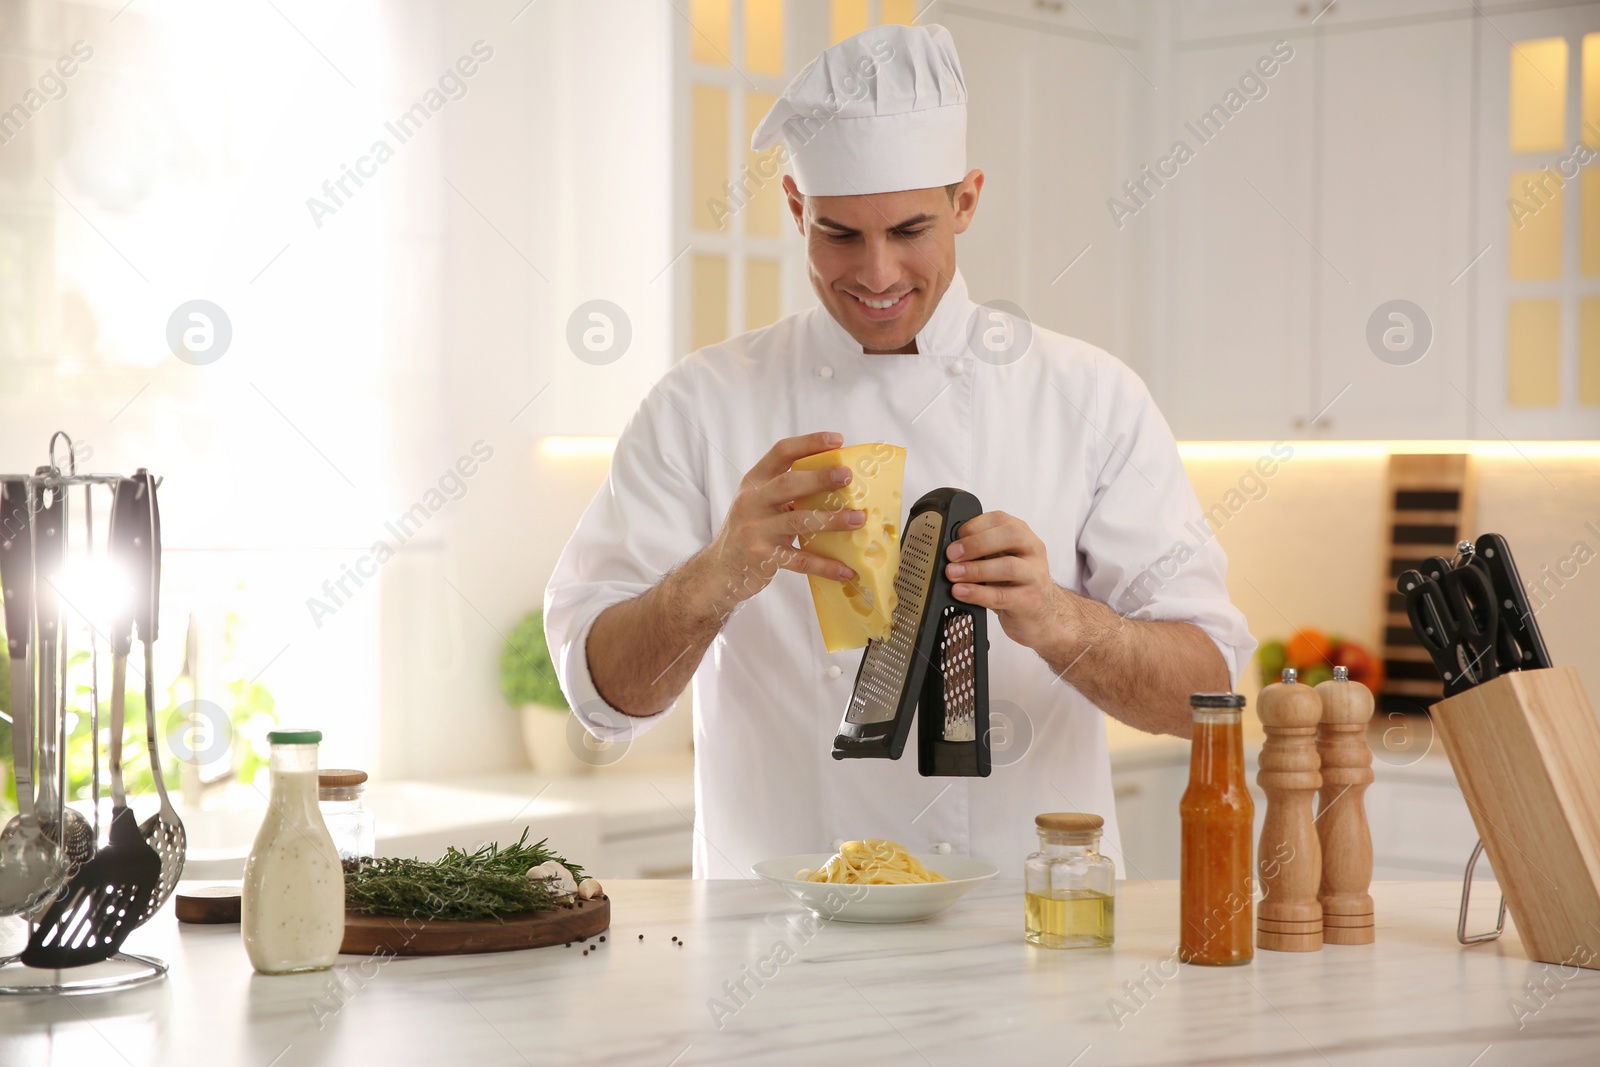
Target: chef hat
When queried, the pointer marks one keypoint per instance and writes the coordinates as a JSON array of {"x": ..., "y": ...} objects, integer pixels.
[{"x": 881, "y": 111}]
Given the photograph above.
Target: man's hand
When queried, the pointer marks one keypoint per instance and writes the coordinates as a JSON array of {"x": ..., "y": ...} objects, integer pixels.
[
  {"x": 642, "y": 652},
  {"x": 757, "y": 538},
  {"x": 1000, "y": 563}
]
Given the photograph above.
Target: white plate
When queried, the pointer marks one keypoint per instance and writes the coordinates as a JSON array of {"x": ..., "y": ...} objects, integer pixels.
[{"x": 877, "y": 903}]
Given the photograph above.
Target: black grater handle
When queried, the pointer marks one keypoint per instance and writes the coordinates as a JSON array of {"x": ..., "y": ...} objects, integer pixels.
[{"x": 937, "y": 757}]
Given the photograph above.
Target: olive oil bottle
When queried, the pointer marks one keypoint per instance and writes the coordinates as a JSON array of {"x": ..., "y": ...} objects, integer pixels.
[{"x": 1070, "y": 887}]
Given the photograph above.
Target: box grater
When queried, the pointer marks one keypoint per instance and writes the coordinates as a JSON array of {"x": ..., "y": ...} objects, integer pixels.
[{"x": 936, "y": 657}]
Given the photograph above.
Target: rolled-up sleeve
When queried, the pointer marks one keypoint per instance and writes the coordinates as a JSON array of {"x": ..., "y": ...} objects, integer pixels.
[
  {"x": 650, "y": 515},
  {"x": 1147, "y": 549}
]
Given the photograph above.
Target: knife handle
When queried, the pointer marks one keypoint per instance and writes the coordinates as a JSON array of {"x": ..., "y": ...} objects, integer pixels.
[{"x": 1522, "y": 643}]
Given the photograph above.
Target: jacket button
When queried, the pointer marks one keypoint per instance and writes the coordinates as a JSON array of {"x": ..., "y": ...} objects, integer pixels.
[
  {"x": 942, "y": 848},
  {"x": 956, "y": 368},
  {"x": 834, "y": 671},
  {"x": 824, "y": 372}
]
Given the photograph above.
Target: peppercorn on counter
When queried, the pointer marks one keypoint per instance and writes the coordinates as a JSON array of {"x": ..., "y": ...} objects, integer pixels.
[{"x": 732, "y": 972}]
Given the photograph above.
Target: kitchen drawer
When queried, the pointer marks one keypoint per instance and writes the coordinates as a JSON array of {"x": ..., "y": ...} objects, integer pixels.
[
  {"x": 657, "y": 855},
  {"x": 1147, "y": 816},
  {"x": 1420, "y": 829}
]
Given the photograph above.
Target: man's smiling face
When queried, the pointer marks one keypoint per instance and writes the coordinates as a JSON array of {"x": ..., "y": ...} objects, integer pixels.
[{"x": 880, "y": 262}]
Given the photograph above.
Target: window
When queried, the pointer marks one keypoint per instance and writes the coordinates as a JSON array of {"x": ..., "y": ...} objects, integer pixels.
[
  {"x": 737, "y": 234},
  {"x": 742, "y": 252}
]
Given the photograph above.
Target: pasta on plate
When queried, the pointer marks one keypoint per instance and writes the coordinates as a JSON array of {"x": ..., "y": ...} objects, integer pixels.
[{"x": 873, "y": 861}]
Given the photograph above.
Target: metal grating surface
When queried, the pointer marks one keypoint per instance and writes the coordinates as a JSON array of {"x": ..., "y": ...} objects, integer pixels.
[
  {"x": 960, "y": 676},
  {"x": 888, "y": 662}
]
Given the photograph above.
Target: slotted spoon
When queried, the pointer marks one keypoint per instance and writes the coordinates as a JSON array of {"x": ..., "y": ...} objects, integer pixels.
[{"x": 164, "y": 830}]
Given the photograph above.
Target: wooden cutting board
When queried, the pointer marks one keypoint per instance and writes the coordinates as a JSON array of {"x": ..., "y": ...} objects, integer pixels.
[{"x": 391, "y": 935}]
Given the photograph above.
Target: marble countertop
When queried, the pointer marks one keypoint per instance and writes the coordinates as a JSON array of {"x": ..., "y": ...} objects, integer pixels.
[{"x": 962, "y": 989}]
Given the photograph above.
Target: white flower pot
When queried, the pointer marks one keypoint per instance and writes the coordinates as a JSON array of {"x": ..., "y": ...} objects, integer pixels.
[{"x": 545, "y": 734}]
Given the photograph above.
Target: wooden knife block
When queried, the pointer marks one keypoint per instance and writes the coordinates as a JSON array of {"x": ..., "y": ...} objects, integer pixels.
[{"x": 1526, "y": 750}]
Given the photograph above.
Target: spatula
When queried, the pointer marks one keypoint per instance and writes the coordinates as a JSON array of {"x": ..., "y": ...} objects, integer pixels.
[
  {"x": 164, "y": 830},
  {"x": 30, "y": 863}
]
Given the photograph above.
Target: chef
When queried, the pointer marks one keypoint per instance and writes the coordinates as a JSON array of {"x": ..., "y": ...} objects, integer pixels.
[{"x": 685, "y": 566}]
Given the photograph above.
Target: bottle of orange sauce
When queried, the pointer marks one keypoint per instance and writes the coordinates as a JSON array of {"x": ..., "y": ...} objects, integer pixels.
[{"x": 1216, "y": 890}]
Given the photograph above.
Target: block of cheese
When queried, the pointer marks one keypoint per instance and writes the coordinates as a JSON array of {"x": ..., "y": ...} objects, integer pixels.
[{"x": 852, "y": 613}]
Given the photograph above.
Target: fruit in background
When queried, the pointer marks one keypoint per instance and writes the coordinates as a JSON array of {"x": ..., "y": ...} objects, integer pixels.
[
  {"x": 1313, "y": 654},
  {"x": 1316, "y": 675},
  {"x": 1307, "y": 648},
  {"x": 1270, "y": 661},
  {"x": 1364, "y": 667}
]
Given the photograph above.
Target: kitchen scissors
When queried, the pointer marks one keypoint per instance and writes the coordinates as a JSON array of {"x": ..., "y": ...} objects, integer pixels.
[{"x": 1457, "y": 618}]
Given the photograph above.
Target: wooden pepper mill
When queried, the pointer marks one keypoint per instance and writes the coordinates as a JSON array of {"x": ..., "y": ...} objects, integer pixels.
[
  {"x": 1341, "y": 812},
  {"x": 1289, "y": 861}
]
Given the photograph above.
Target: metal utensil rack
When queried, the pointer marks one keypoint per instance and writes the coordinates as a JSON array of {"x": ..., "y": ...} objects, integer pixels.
[{"x": 122, "y": 970}]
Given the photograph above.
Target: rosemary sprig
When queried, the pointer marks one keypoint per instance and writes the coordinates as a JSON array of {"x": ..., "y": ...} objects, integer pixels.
[{"x": 489, "y": 883}]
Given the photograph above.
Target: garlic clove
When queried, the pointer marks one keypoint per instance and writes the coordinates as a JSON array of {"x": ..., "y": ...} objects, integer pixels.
[
  {"x": 561, "y": 881},
  {"x": 589, "y": 889}
]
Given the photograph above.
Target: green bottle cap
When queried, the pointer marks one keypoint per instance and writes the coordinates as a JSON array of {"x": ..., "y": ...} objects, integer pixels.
[{"x": 295, "y": 737}]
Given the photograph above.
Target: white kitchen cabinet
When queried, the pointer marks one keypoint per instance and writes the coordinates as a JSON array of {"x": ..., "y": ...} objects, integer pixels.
[
  {"x": 1421, "y": 826},
  {"x": 1240, "y": 217},
  {"x": 1047, "y": 124},
  {"x": 1215, "y": 20},
  {"x": 1147, "y": 788},
  {"x": 1383, "y": 150},
  {"x": 645, "y": 813},
  {"x": 1394, "y": 155},
  {"x": 666, "y": 853}
]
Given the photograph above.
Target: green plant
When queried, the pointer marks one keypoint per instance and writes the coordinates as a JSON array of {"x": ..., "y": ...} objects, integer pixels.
[
  {"x": 527, "y": 673},
  {"x": 249, "y": 708}
]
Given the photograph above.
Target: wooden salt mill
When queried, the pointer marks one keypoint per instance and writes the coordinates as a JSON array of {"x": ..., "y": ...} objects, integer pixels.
[
  {"x": 1341, "y": 813},
  {"x": 1289, "y": 860}
]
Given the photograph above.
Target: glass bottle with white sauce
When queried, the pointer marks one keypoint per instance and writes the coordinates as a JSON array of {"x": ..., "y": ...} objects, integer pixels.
[{"x": 293, "y": 895}]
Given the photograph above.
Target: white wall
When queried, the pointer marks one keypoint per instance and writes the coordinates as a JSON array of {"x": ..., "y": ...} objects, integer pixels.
[{"x": 563, "y": 177}]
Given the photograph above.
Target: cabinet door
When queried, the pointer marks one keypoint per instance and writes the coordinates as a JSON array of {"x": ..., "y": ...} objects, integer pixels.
[
  {"x": 1395, "y": 159},
  {"x": 1074, "y": 262},
  {"x": 1147, "y": 815},
  {"x": 995, "y": 59},
  {"x": 1048, "y": 121},
  {"x": 1239, "y": 217}
]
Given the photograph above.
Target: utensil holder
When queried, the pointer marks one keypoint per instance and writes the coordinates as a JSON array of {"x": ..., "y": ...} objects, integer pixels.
[
  {"x": 122, "y": 970},
  {"x": 1525, "y": 747}
]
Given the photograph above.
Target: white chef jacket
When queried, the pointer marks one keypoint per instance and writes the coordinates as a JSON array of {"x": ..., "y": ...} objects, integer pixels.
[{"x": 1066, "y": 438}]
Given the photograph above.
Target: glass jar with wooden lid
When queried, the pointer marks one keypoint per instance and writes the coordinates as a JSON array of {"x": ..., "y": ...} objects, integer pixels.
[
  {"x": 1070, "y": 885},
  {"x": 339, "y": 795}
]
